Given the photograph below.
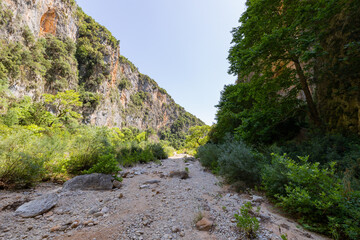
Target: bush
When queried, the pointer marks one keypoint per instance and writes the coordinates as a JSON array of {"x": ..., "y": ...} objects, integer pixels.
[
  {"x": 343, "y": 150},
  {"x": 209, "y": 154},
  {"x": 158, "y": 151},
  {"x": 274, "y": 176},
  {"x": 88, "y": 146},
  {"x": 21, "y": 162},
  {"x": 246, "y": 223},
  {"x": 238, "y": 162},
  {"x": 169, "y": 151},
  {"x": 106, "y": 164},
  {"x": 317, "y": 197}
]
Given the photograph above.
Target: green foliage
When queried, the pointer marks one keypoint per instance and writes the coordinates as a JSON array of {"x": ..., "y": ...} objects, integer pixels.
[
  {"x": 198, "y": 135},
  {"x": 124, "y": 60},
  {"x": 344, "y": 150},
  {"x": 316, "y": 196},
  {"x": 209, "y": 155},
  {"x": 158, "y": 151},
  {"x": 89, "y": 99},
  {"x": 5, "y": 15},
  {"x": 124, "y": 84},
  {"x": 50, "y": 57},
  {"x": 139, "y": 97},
  {"x": 106, "y": 164},
  {"x": 256, "y": 114},
  {"x": 62, "y": 70},
  {"x": 238, "y": 162},
  {"x": 233, "y": 159},
  {"x": 21, "y": 159},
  {"x": 245, "y": 222},
  {"x": 65, "y": 103},
  {"x": 176, "y": 133},
  {"x": 275, "y": 176},
  {"x": 91, "y": 51}
]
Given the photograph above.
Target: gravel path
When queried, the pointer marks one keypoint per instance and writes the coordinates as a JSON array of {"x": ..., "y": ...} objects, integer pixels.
[{"x": 149, "y": 205}]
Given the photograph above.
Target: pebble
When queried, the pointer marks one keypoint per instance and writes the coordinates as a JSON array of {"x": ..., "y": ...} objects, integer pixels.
[{"x": 98, "y": 214}]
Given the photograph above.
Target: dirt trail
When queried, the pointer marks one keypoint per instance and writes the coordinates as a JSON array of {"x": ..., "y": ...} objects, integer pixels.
[{"x": 164, "y": 208}]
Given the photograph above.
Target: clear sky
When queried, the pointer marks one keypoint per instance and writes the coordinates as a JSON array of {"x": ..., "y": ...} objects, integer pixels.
[{"x": 181, "y": 44}]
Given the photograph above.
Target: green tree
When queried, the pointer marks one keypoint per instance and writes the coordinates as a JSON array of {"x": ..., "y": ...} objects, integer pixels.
[
  {"x": 65, "y": 104},
  {"x": 278, "y": 42},
  {"x": 198, "y": 135}
]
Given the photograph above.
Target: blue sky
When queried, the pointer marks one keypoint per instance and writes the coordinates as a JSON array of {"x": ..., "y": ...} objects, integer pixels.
[{"x": 181, "y": 44}]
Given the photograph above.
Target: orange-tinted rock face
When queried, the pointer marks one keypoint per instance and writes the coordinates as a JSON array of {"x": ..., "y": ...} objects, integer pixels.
[{"x": 48, "y": 22}]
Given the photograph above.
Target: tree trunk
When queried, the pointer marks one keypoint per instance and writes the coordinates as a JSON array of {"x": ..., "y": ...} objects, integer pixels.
[{"x": 314, "y": 115}]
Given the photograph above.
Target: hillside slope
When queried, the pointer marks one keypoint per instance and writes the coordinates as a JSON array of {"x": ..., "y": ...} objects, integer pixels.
[{"x": 49, "y": 46}]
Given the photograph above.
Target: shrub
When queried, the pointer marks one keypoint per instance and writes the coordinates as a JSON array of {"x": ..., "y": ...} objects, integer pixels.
[
  {"x": 124, "y": 84},
  {"x": 238, "y": 162},
  {"x": 343, "y": 150},
  {"x": 169, "y": 151},
  {"x": 158, "y": 151},
  {"x": 274, "y": 176},
  {"x": 209, "y": 154},
  {"x": 106, "y": 164},
  {"x": 88, "y": 146},
  {"x": 317, "y": 197},
  {"x": 245, "y": 222},
  {"x": 21, "y": 164}
]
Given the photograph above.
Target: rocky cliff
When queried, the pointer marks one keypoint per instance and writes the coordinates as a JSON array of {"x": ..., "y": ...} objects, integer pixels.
[{"x": 48, "y": 46}]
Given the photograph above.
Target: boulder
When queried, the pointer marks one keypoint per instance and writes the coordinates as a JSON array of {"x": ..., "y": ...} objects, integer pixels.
[
  {"x": 179, "y": 174},
  {"x": 37, "y": 206},
  {"x": 94, "y": 181}
]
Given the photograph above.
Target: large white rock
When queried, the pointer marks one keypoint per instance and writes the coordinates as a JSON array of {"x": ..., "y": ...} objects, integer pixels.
[{"x": 37, "y": 206}]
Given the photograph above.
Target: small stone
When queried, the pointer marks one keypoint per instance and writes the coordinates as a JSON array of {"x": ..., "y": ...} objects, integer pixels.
[
  {"x": 257, "y": 199},
  {"x": 152, "y": 181},
  {"x": 75, "y": 224},
  {"x": 98, "y": 214},
  {"x": 105, "y": 210},
  {"x": 55, "y": 228},
  {"x": 144, "y": 186},
  {"x": 204, "y": 224},
  {"x": 182, "y": 234},
  {"x": 175, "y": 229},
  {"x": 45, "y": 236},
  {"x": 117, "y": 184},
  {"x": 94, "y": 210},
  {"x": 121, "y": 195},
  {"x": 89, "y": 222}
]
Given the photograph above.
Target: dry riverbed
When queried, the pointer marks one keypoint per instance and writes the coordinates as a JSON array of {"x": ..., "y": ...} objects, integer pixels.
[{"x": 152, "y": 203}]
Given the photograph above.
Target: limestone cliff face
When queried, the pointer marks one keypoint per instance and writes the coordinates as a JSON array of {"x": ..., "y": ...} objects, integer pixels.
[
  {"x": 56, "y": 17},
  {"x": 114, "y": 92}
]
